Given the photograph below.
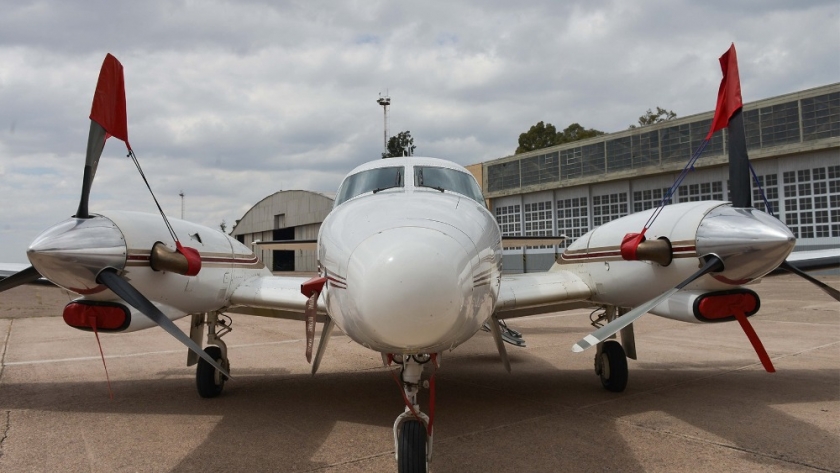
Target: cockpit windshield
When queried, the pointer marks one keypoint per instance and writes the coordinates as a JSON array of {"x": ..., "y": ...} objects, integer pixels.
[
  {"x": 371, "y": 180},
  {"x": 445, "y": 179}
]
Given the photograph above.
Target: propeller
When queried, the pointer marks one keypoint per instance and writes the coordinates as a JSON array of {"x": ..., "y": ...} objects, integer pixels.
[
  {"x": 793, "y": 269},
  {"x": 713, "y": 263},
  {"x": 134, "y": 298},
  {"x": 26, "y": 276},
  {"x": 728, "y": 114},
  {"x": 107, "y": 118}
]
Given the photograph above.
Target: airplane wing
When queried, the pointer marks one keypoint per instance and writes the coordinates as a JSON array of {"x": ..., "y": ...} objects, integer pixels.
[
  {"x": 517, "y": 241},
  {"x": 813, "y": 260},
  {"x": 526, "y": 294},
  {"x": 285, "y": 245},
  {"x": 10, "y": 269},
  {"x": 273, "y": 296}
]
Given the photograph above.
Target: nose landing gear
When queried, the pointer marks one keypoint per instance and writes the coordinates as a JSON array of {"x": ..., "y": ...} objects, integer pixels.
[{"x": 413, "y": 432}]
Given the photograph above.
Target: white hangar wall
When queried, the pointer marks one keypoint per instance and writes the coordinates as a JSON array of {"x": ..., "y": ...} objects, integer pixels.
[
  {"x": 285, "y": 215},
  {"x": 794, "y": 146}
]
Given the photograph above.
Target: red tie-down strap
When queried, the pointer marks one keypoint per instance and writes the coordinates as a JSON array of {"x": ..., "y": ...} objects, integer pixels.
[
  {"x": 738, "y": 305},
  {"x": 92, "y": 323},
  {"x": 311, "y": 289}
]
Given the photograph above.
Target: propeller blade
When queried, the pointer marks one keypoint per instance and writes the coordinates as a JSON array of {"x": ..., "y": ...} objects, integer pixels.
[
  {"x": 107, "y": 118},
  {"x": 134, "y": 298},
  {"x": 713, "y": 263},
  {"x": 95, "y": 145},
  {"x": 26, "y": 276},
  {"x": 793, "y": 269}
]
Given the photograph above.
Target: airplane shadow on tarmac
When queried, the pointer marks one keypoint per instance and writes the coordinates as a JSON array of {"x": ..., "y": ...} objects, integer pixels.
[{"x": 536, "y": 418}]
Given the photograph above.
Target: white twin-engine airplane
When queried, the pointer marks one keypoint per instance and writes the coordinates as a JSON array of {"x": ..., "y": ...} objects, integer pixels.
[{"x": 410, "y": 265}]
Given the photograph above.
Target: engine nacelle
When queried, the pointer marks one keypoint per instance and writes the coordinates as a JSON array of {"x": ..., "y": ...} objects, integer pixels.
[
  {"x": 705, "y": 307},
  {"x": 109, "y": 316}
]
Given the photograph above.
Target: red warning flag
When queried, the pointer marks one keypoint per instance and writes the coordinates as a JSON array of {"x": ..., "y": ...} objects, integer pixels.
[
  {"x": 108, "y": 108},
  {"x": 729, "y": 94}
]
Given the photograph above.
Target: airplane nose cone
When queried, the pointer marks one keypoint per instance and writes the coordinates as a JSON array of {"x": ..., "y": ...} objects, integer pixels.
[
  {"x": 73, "y": 252},
  {"x": 750, "y": 242},
  {"x": 410, "y": 286}
]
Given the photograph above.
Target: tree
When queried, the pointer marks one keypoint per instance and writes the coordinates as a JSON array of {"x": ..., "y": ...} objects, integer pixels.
[
  {"x": 544, "y": 135},
  {"x": 575, "y": 132},
  {"x": 649, "y": 118},
  {"x": 400, "y": 145},
  {"x": 537, "y": 137},
  {"x": 223, "y": 226}
]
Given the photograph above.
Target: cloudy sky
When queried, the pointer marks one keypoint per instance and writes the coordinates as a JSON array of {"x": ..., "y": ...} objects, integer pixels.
[{"x": 231, "y": 101}]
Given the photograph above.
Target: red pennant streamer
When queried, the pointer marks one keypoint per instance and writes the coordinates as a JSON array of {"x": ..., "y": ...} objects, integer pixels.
[
  {"x": 311, "y": 313},
  {"x": 729, "y": 94},
  {"x": 109, "y": 100},
  {"x": 312, "y": 290}
]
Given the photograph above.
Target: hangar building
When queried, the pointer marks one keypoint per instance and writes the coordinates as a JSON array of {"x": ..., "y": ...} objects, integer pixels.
[
  {"x": 793, "y": 142},
  {"x": 285, "y": 215}
]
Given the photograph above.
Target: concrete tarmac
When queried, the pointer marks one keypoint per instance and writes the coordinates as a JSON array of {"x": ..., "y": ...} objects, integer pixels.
[{"x": 697, "y": 399}]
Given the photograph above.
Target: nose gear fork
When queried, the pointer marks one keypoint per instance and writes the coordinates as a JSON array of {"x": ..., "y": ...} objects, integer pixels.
[{"x": 413, "y": 429}]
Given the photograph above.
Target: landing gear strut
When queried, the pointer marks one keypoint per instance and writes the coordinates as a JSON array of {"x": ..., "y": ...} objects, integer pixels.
[
  {"x": 208, "y": 380},
  {"x": 413, "y": 429}
]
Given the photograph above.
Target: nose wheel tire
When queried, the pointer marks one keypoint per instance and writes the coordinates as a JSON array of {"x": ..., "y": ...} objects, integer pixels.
[
  {"x": 412, "y": 447},
  {"x": 209, "y": 381},
  {"x": 612, "y": 366}
]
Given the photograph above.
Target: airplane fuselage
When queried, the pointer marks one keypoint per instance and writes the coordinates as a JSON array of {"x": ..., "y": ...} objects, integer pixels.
[{"x": 411, "y": 268}]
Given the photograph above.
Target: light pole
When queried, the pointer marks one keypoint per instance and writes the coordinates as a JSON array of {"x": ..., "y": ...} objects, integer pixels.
[
  {"x": 182, "y": 204},
  {"x": 385, "y": 102}
]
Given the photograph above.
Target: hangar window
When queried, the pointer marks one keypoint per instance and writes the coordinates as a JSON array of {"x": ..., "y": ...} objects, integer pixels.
[
  {"x": 509, "y": 220},
  {"x": 698, "y": 133},
  {"x": 645, "y": 148},
  {"x": 572, "y": 219},
  {"x": 372, "y": 180},
  {"x": 608, "y": 207},
  {"x": 770, "y": 184},
  {"x": 812, "y": 199},
  {"x": 445, "y": 179},
  {"x": 538, "y": 220},
  {"x": 703, "y": 191},
  {"x": 649, "y": 199},
  {"x": 779, "y": 124},
  {"x": 503, "y": 176},
  {"x": 821, "y": 116}
]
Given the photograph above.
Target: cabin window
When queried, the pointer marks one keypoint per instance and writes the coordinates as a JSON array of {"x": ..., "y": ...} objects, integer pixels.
[
  {"x": 372, "y": 180},
  {"x": 444, "y": 179}
]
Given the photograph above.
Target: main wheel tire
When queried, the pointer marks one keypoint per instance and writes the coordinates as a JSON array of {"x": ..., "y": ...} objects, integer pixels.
[
  {"x": 208, "y": 379},
  {"x": 613, "y": 367},
  {"x": 412, "y": 452}
]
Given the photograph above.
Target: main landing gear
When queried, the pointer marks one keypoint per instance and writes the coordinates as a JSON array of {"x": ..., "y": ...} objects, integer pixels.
[
  {"x": 413, "y": 429},
  {"x": 208, "y": 380},
  {"x": 610, "y": 356}
]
